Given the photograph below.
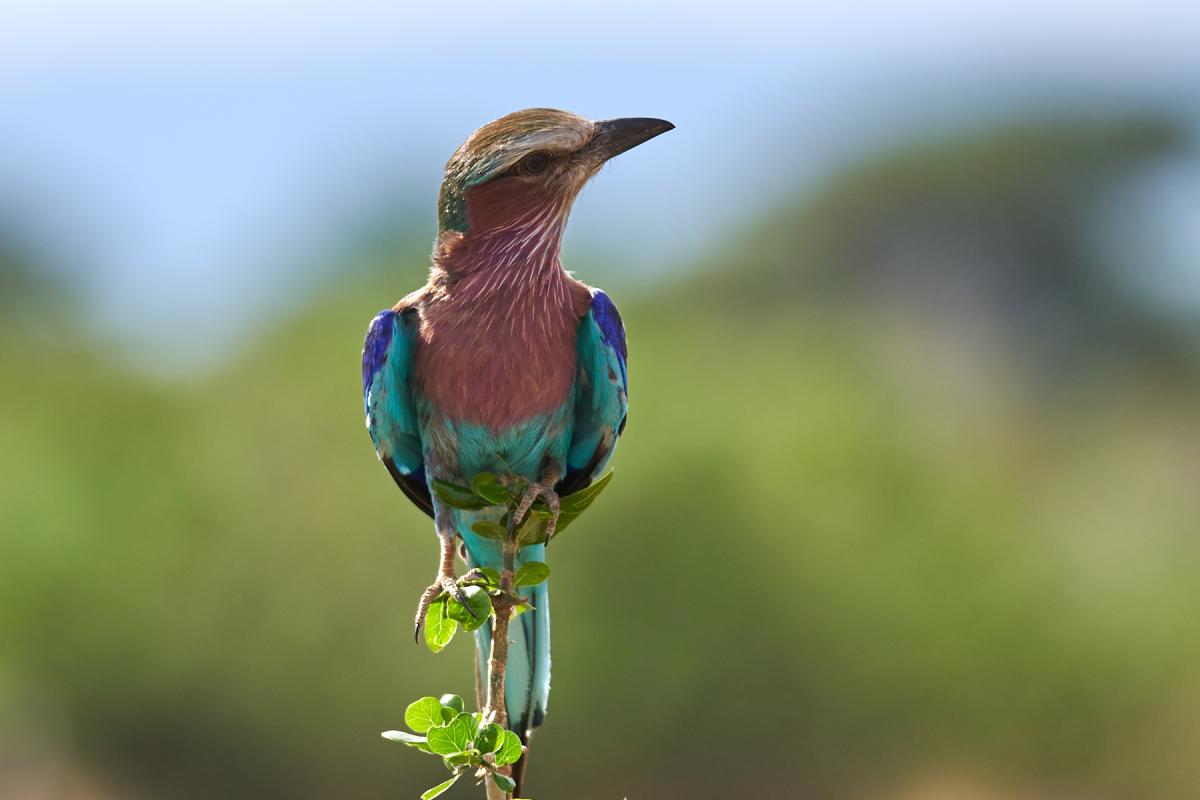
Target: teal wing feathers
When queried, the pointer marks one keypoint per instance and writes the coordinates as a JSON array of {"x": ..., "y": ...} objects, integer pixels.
[
  {"x": 390, "y": 409},
  {"x": 602, "y": 394}
]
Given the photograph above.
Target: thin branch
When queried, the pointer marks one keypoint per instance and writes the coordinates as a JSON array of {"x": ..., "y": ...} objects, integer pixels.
[{"x": 498, "y": 658}]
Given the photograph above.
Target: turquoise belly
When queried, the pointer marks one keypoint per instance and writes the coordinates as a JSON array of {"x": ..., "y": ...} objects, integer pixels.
[{"x": 461, "y": 450}]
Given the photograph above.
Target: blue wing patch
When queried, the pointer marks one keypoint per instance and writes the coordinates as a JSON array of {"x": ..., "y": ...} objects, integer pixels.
[
  {"x": 379, "y": 338},
  {"x": 602, "y": 393},
  {"x": 612, "y": 329},
  {"x": 387, "y": 397}
]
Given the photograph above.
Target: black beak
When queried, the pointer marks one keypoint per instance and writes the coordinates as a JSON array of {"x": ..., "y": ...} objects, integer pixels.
[{"x": 615, "y": 136}]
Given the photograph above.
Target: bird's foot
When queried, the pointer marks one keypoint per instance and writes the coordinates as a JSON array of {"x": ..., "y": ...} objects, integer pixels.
[
  {"x": 543, "y": 490},
  {"x": 445, "y": 584}
]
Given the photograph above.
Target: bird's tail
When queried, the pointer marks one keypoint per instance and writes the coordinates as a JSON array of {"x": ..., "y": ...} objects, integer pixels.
[{"x": 527, "y": 681}]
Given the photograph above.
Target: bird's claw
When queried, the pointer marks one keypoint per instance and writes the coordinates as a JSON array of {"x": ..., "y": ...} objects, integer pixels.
[
  {"x": 543, "y": 489},
  {"x": 474, "y": 574},
  {"x": 446, "y": 583}
]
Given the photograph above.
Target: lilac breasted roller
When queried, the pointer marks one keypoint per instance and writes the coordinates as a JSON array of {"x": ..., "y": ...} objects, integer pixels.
[{"x": 503, "y": 362}]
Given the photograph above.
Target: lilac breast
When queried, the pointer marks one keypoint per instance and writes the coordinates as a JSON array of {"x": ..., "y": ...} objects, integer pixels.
[{"x": 496, "y": 363}]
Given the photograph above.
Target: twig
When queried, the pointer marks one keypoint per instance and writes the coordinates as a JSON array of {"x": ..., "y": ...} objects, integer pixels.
[{"x": 498, "y": 658}]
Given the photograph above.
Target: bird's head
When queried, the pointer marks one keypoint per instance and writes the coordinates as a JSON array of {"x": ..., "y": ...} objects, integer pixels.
[{"x": 526, "y": 168}]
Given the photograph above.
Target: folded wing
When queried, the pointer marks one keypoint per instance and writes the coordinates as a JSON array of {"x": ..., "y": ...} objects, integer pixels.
[
  {"x": 602, "y": 399},
  {"x": 387, "y": 395}
]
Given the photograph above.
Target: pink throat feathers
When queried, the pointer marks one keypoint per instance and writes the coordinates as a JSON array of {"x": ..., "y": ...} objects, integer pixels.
[{"x": 498, "y": 336}]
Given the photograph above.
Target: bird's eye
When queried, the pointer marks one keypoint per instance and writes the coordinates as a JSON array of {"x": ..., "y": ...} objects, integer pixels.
[{"x": 534, "y": 163}]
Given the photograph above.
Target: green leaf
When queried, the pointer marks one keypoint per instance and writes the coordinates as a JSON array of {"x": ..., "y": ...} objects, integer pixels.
[
  {"x": 453, "y": 738},
  {"x": 457, "y": 496},
  {"x": 439, "y": 628},
  {"x": 412, "y": 740},
  {"x": 429, "y": 794},
  {"x": 453, "y": 701},
  {"x": 481, "y": 576},
  {"x": 575, "y": 504},
  {"x": 490, "y": 738},
  {"x": 506, "y": 784},
  {"x": 489, "y": 530},
  {"x": 423, "y": 714},
  {"x": 531, "y": 574},
  {"x": 475, "y": 613},
  {"x": 533, "y": 528},
  {"x": 517, "y": 488},
  {"x": 463, "y": 759},
  {"x": 510, "y": 749},
  {"x": 487, "y": 486},
  {"x": 448, "y": 714},
  {"x": 578, "y": 502}
]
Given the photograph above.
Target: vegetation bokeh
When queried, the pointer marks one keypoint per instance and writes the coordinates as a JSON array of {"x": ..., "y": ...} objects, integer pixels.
[{"x": 905, "y": 510}]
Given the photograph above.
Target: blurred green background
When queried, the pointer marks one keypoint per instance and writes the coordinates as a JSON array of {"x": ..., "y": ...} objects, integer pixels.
[{"x": 905, "y": 510}]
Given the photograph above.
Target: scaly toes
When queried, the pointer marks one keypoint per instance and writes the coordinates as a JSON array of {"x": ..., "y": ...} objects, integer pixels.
[
  {"x": 552, "y": 501},
  {"x": 531, "y": 494},
  {"x": 449, "y": 585},
  {"x": 546, "y": 492},
  {"x": 445, "y": 584},
  {"x": 427, "y": 598}
]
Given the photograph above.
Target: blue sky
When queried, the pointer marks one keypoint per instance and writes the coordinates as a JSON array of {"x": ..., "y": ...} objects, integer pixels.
[{"x": 189, "y": 161}]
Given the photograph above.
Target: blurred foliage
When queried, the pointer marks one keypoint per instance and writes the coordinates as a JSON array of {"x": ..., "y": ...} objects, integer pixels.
[
  {"x": 22, "y": 281},
  {"x": 999, "y": 227},
  {"x": 911, "y": 559}
]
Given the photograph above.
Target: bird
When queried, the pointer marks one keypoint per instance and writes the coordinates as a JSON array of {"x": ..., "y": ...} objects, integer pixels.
[{"x": 503, "y": 361}]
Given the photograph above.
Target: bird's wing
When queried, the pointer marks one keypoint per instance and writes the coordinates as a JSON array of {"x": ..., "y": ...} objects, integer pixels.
[
  {"x": 602, "y": 399},
  {"x": 391, "y": 414}
]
